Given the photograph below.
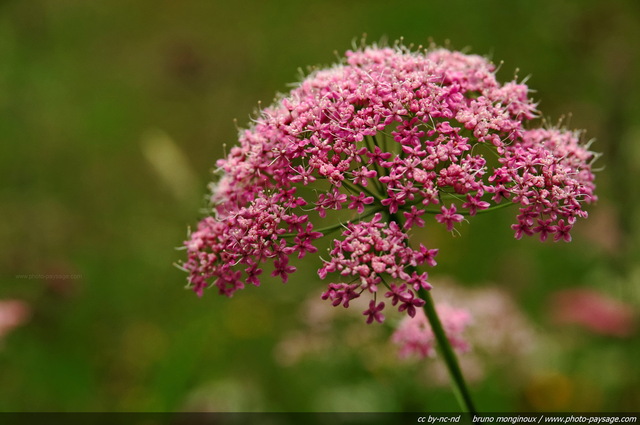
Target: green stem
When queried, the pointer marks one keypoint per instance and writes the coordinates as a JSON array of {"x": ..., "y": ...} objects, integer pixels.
[
  {"x": 337, "y": 226},
  {"x": 446, "y": 350},
  {"x": 457, "y": 379},
  {"x": 493, "y": 208},
  {"x": 357, "y": 189},
  {"x": 378, "y": 169}
]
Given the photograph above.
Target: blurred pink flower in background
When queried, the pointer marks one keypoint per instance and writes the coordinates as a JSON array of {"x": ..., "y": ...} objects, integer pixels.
[
  {"x": 13, "y": 313},
  {"x": 593, "y": 311},
  {"x": 498, "y": 332},
  {"x": 415, "y": 336},
  {"x": 485, "y": 324}
]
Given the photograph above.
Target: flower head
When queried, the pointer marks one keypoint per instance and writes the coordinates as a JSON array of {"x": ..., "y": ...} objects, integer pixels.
[{"x": 387, "y": 135}]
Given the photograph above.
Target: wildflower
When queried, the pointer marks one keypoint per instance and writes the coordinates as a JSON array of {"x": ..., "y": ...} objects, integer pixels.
[
  {"x": 373, "y": 312},
  {"x": 449, "y": 217},
  {"x": 386, "y": 135}
]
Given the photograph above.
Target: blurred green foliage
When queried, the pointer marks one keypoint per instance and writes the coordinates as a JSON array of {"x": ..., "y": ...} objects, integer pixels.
[{"x": 112, "y": 115}]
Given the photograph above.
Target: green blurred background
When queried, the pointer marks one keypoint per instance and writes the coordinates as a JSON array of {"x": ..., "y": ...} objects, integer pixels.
[{"x": 112, "y": 115}]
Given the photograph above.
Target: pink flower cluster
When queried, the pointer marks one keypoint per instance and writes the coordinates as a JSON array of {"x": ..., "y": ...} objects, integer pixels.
[
  {"x": 369, "y": 251},
  {"x": 389, "y": 136},
  {"x": 549, "y": 174}
]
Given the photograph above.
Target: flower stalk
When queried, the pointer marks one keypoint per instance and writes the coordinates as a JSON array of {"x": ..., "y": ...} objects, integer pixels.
[
  {"x": 458, "y": 383},
  {"x": 460, "y": 389}
]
